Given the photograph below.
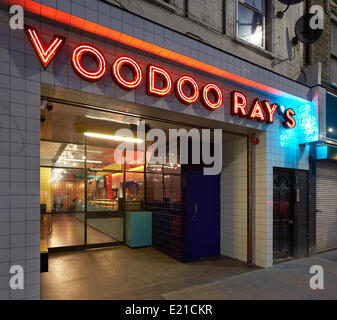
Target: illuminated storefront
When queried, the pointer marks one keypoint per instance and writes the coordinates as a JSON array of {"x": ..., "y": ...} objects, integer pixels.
[{"x": 85, "y": 80}]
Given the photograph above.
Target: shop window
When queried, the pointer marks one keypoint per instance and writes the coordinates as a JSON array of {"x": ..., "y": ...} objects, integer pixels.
[
  {"x": 62, "y": 194},
  {"x": 154, "y": 188},
  {"x": 62, "y": 154},
  {"x": 134, "y": 191},
  {"x": 84, "y": 188},
  {"x": 250, "y": 22}
]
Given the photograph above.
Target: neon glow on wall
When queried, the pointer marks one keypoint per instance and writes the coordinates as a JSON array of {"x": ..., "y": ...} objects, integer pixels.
[
  {"x": 308, "y": 123},
  {"x": 306, "y": 130}
]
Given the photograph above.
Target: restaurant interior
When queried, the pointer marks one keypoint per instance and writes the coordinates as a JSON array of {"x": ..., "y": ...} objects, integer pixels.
[{"x": 87, "y": 195}]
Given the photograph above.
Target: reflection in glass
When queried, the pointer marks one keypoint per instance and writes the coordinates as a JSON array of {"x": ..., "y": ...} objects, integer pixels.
[
  {"x": 104, "y": 207},
  {"x": 61, "y": 196},
  {"x": 258, "y": 4},
  {"x": 101, "y": 157},
  {"x": 250, "y": 25},
  {"x": 78, "y": 163},
  {"x": 135, "y": 160},
  {"x": 154, "y": 190},
  {"x": 134, "y": 191},
  {"x": 104, "y": 191},
  {"x": 172, "y": 168},
  {"x": 172, "y": 188},
  {"x": 58, "y": 154}
]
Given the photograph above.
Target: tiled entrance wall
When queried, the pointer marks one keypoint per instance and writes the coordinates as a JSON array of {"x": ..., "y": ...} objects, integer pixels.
[
  {"x": 21, "y": 76},
  {"x": 233, "y": 231},
  {"x": 267, "y": 154},
  {"x": 19, "y": 163}
]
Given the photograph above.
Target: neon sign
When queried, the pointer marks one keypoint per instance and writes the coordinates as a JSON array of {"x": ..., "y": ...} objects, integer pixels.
[
  {"x": 134, "y": 67},
  {"x": 289, "y": 120},
  {"x": 270, "y": 110},
  {"x": 45, "y": 54},
  {"x": 207, "y": 102},
  {"x": 308, "y": 123},
  {"x": 152, "y": 89},
  {"x": 260, "y": 111},
  {"x": 192, "y": 85},
  {"x": 256, "y": 111},
  {"x": 76, "y": 60},
  {"x": 186, "y": 88},
  {"x": 238, "y": 104}
]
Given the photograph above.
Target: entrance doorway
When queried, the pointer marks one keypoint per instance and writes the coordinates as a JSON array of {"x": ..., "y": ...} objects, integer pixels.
[
  {"x": 87, "y": 196},
  {"x": 202, "y": 217},
  {"x": 283, "y": 215},
  {"x": 290, "y": 214},
  {"x": 85, "y": 191}
]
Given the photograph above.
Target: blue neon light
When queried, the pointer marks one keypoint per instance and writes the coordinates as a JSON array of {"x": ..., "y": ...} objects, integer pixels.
[
  {"x": 306, "y": 129},
  {"x": 308, "y": 123},
  {"x": 286, "y": 136}
]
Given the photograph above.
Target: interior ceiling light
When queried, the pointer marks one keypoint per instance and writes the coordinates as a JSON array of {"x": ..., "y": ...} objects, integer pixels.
[
  {"x": 70, "y": 150},
  {"x": 106, "y": 119},
  {"x": 92, "y": 151},
  {"x": 81, "y": 160},
  {"x": 111, "y": 137}
]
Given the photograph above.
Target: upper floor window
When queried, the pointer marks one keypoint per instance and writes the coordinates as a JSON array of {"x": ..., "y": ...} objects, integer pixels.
[
  {"x": 250, "y": 21},
  {"x": 168, "y": 4},
  {"x": 334, "y": 39},
  {"x": 165, "y": 1}
]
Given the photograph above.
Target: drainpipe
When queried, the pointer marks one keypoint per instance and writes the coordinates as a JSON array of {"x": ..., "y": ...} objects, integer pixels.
[{"x": 249, "y": 200}]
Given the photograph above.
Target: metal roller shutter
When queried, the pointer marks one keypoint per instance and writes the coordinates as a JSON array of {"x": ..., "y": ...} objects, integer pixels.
[{"x": 326, "y": 202}]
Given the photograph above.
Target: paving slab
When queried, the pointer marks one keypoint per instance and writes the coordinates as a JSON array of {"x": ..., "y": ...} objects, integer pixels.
[
  {"x": 124, "y": 273},
  {"x": 289, "y": 280}
]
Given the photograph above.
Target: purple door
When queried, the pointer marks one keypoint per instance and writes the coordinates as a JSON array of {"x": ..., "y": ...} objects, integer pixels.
[{"x": 203, "y": 215}]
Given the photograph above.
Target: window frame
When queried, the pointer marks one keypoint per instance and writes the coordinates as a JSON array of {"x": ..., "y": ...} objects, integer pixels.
[
  {"x": 254, "y": 9},
  {"x": 333, "y": 56},
  {"x": 170, "y": 5}
]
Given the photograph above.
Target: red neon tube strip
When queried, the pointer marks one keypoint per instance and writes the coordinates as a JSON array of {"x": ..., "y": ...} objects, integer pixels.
[{"x": 96, "y": 29}]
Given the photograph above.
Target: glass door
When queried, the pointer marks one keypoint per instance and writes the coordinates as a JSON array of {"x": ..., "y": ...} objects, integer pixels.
[
  {"x": 104, "y": 210},
  {"x": 85, "y": 191},
  {"x": 104, "y": 216}
]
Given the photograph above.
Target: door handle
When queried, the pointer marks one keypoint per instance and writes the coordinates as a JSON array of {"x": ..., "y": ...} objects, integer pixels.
[
  {"x": 195, "y": 210},
  {"x": 318, "y": 211}
]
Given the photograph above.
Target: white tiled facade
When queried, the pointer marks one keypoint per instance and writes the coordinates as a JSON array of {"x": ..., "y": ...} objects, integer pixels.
[
  {"x": 21, "y": 77},
  {"x": 233, "y": 220}
]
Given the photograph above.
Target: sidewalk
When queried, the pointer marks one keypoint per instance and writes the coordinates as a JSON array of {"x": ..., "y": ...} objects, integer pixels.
[
  {"x": 289, "y": 280},
  {"x": 124, "y": 273}
]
